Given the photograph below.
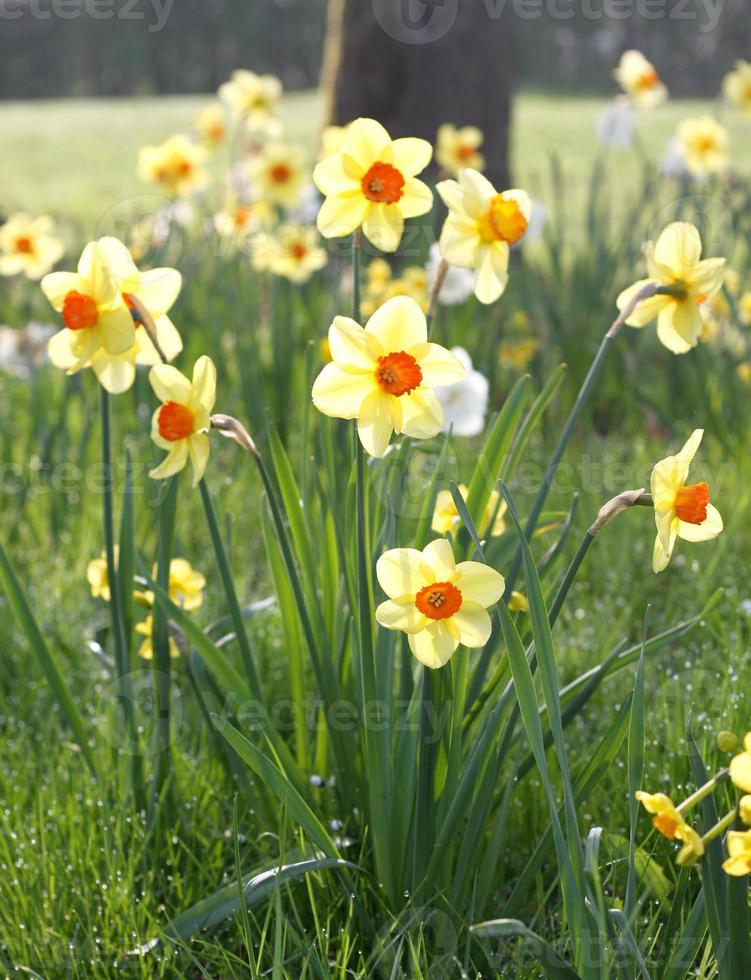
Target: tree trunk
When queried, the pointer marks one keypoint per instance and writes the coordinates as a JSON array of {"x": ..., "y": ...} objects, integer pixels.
[{"x": 414, "y": 64}]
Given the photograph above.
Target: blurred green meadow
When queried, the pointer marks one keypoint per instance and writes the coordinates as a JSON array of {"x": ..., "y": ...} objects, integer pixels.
[{"x": 94, "y": 887}]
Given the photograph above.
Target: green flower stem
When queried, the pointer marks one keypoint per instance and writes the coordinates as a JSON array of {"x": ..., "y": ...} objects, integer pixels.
[
  {"x": 650, "y": 289},
  {"x": 122, "y": 665},
  {"x": 722, "y": 777},
  {"x": 720, "y": 827}
]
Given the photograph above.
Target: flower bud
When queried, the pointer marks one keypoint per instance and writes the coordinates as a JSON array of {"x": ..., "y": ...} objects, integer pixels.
[{"x": 727, "y": 742}]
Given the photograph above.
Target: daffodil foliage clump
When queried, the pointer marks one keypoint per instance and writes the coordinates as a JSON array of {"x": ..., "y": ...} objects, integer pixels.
[{"x": 363, "y": 636}]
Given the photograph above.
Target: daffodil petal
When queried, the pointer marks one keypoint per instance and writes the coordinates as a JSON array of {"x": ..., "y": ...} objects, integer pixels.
[
  {"x": 411, "y": 155},
  {"x": 348, "y": 344},
  {"x": 398, "y": 325},
  {"x": 419, "y": 414},
  {"x": 173, "y": 462},
  {"x": 169, "y": 384},
  {"x": 678, "y": 248},
  {"x": 374, "y": 424},
  {"x": 479, "y": 583},
  {"x": 365, "y": 142},
  {"x": 158, "y": 289},
  {"x": 383, "y": 226},
  {"x": 440, "y": 367},
  {"x": 116, "y": 372},
  {"x": 340, "y": 394},
  {"x": 740, "y": 771},
  {"x": 708, "y": 529},
  {"x": 198, "y": 450},
  {"x": 416, "y": 199},
  {"x": 400, "y": 572},
  {"x": 117, "y": 330},
  {"x": 401, "y": 614},
  {"x": 57, "y": 285},
  {"x": 438, "y": 561},
  {"x": 647, "y": 309},
  {"x": 433, "y": 646},
  {"x": 679, "y": 326},
  {"x": 340, "y": 214},
  {"x": 473, "y": 624},
  {"x": 489, "y": 286},
  {"x": 203, "y": 388}
]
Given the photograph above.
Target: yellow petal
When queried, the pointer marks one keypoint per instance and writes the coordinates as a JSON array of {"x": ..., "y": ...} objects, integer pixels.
[
  {"x": 440, "y": 367},
  {"x": 198, "y": 450},
  {"x": 340, "y": 394},
  {"x": 679, "y": 326},
  {"x": 383, "y": 226},
  {"x": 686, "y": 455},
  {"x": 460, "y": 243},
  {"x": 411, "y": 155},
  {"x": 438, "y": 562},
  {"x": 473, "y": 624},
  {"x": 203, "y": 388},
  {"x": 341, "y": 214},
  {"x": 365, "y": 142},
  {"x": 330, "y": 178},
  {"x": 116, "y": 372},
  {"x": 708, "y": 529},
  {"x": 120, "y": 263},
  {"x": 348, "y": 345},
  {"x": 400, "y": 572},
  {"x": 374, "y": 424},
  {"x": 173, "y": 462},
  {"x": 169, "y": 340},
  {"x": 96, "y": 280},
  {"x": 489, "y": 284},
  {"x": 479, "y": 583},
  {"x": 117, "y": 330},
  {"x": 169, "y": 384},
  {"x": 401, "y": 614},
  {"x": 660, "y": 554},
  {"x": 158, "y": 289},
  {"x": 452, "y": 194},
  {"x": 416, "y": 199},
  {"x": 398, "y": 325},
  {"x": 679, "y": 248},
  {"x": 57, "y": 285},
  {"x": 418, "y": 414},
  {"x": 433, "y": 646},
  {"x": 477, "y": 192},
  {"x": 647, "y": 310}
]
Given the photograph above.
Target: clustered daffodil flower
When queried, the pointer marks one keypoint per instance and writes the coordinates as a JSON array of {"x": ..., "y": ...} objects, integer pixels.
[
  {"x": 175, "y": 166},
  {"x": 674, "y": 263},
  {"x": 740, "y": 766},
  {"x": 28, "y": 245},
  {"x": 93, "y": 309},
  {"x": 446, "y": 514},
  {"x": 211, "y": 126},
  {"x": 278, "y": 173},
  {"x": 186, "y": 585},
  {"x": 438, "y": 603},
  {"x": 371, "y": 183},
  {"x": 381, "y": 285},
  {"x": 383, "y": 375},
  {"x": 703, "y": 144},
  {"x": 146, "y": 649},
  {"x": 292, "y": 251},
  {"x": 459, "y": 148},
  {"x": 97, "y": 575},
  {"x": 669, "y": 821},
  {"x": 180, "y": 425},
  {"x": 640, "y": 80},
  {"x": 739, "y": 850},
  {"x": 254, "y": 97},
  {"x": 681, "y": 510},
  {"x": 737, "y": 86},
  {"x": 480, "y": 229}
]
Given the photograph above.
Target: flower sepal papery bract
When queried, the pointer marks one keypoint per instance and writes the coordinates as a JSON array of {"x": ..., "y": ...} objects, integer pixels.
[
  {"x": 436, "y": 602},
  {"x": 181, "y": 423},
  {"x": 684, "y": 282},
  {"x": 681, "y": 510},
  {"x": 384, "y": 374}
]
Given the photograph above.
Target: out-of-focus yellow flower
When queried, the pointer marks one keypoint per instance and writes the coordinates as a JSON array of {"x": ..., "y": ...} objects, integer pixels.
[
  {"x": 727, "y": 742},
  {"x": 639, "y": 80},
  {"x": 480, "y": 229},
  {"x": 666, "y": 817},
  {"x": 278, "y": 174},
  {"x": 517, "y": 354},
  {"x": 681, "y": 511},
  {"x": 380, "y": 286},
  {"x": 146, "y": 650},
  {"x": 438, "y": 603},
  {"x": 371, "y": 182},
  {"x": 458, "y": 148},
  {"x": 94, "y": 312},
  {"x": 181, "y": 423},
  {"x": 186, "y": 585},
  {"x": 744, "y": 308},
  {"x": 238, "y": 219},
  {"x": 211, "y": 126},
  {"x": 703, "y": 144},
  {"x": 157, "y": 289},
  {"x": 692, "y": 849},
  {"x": 744, "y": 809},
  {"x": 97, "y": 576},
  {"x": 674, "y": 262},
  {"x": 740, "y": 766},
  {"x": 737, "y": 86},
  {"x": 739, "y": 849},
  {"x": 446, "y": 514},
  {"x": 28, "y": 245},
  {"x": 332, "y": 138},
  {"x": 254, "y": 97},
  {"x": 382, "y": 375},
  {"x": 175, "y": 166},
  {"x": 292, "y": 251},
  {"x": 518, "y": 602}
]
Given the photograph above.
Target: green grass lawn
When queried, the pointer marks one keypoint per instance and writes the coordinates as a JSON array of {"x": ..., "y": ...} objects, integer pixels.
[
  {"x": 79, "y": 156},
  {"x": 93, "y": 871}
]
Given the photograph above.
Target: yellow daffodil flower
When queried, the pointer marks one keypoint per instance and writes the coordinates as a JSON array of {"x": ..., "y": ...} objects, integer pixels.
[
  {"x": 737, "y": 86},
  {"x": 94, "y": 312},
  {"x": 382, "y": 375},
  {"x": 278, "y": 174},
  {"x": 28, "y": 245},
  {"x": 681, "y": 511},
  {"x": 703, "y": 144},
  {"x": 739, "y": 849},
  {"x": 175, "y": 166},
  {"x": 332, "y": 138},
  {"x": 744, "y": 809},
  {"x": 186, "y": 585},
  {"x": 254, "y": 97},
  {"x": 458, "y": 148},
  {"x": 692, "y": 849},
  {"x": 639, "y": 80},
  {"x": 740, "y": 766},
  {"x": 97, "y": 576},
  {"x": 380, "y": 286},
  {"x": 157, "y": 289},
  {"x": 480, "y": 229},
  {"x": 666, "y": 817},
  {"x": 293, "y": 251},
  {"x": 181, "y": 423},
  {"x": 518, "y": 602},
  {"x": 674, "y": 262},
  {"x": 146, "y": 650},
  {"x": 211, "y": 126},
  {"x": 446, "y": 515},
  {"x": 438, "y": 603},
  {"x": 371, "y": 183}
]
